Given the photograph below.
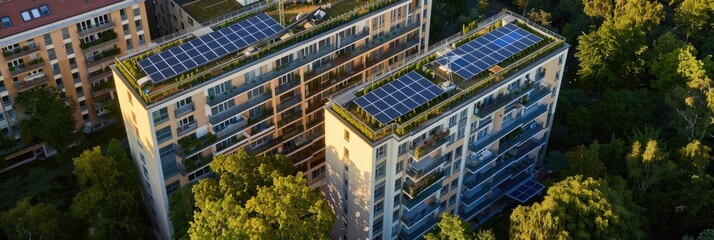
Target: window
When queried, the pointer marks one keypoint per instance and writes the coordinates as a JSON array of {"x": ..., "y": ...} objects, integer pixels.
[
  {"x": 444, "y": 189},
  {"x": 161, "y": 116},
  {"x": 379, "y": 171},
  {"x": 346, "y": 153},
  {"x": 347, "y": 136},
  {"x": 454, "y": 184},
  {"x": 381, "y": 151},
  {"x": 25, "y": 16},
  {"x": 6, "y": 22},
  {"x": 379, "y": 191},
  {"x": 377, "y": 226},
  {"x": 458, "y": 152},
  {"x": 452, "y": 200},
  {"x": 402, "y": 148},
  {"x": 452, "y": 120},
  {"x": 45, "y": 10},
  {"x": 379, "y": 207},
  {"x": 397, "y": 199},
  {"x": 164, "y": 134},
  {"x": 395, "y": 215},
  {"x": 399, "y": 166},
  {"x": 398, "y": 183},
  {"x": 184, "y": 102}
]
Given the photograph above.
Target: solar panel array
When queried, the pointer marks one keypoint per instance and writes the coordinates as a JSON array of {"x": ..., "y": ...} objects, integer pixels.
[
  {"x": 398, "y": 97},
  {"x": 209, "y": 47},
  {"x": 486, "y": 51},
  {"x": 526, "y": 190}
]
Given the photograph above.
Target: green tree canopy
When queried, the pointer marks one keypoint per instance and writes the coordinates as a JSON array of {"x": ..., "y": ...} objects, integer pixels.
[
  {"x": 51, "y": 119},
  {"x": 108, "y": 198},
  {"x": 578, "y": 208},
  {"x": 450, "y": 227},
  {"x": 585, "y": 161},
  {"x": 39, "y": 221},
  {"x": 647, "y": 165},
  {"x": 257, "y": 197},
  {"x": 694, "y": 15}
]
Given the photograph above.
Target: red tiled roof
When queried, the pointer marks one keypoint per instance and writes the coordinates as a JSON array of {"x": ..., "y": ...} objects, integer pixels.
[{"x": 59, "y": 9}]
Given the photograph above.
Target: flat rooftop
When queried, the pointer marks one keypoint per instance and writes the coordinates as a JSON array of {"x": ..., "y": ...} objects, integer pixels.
[
  {"x": 27, "y": 15},
  {"x": 302, "y": 24},
  {"x": 454, "y": 71},
  {"x": 202, "y": 10}
]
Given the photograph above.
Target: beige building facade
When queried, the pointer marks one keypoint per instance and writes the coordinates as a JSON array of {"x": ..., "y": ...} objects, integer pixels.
[
  {"x": 266, "y": 99},
  {"x": 471, "y": 151},
  {"x": 68, "y": 45}
]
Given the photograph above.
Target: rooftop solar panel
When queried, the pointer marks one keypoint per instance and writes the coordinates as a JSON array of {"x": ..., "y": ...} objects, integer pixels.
[
  {"x": 526, "y": 190},
  {"x": 398, "y": 97},
  {"x": 486, "y": 51},
  {"x": 209, "y": 47}
]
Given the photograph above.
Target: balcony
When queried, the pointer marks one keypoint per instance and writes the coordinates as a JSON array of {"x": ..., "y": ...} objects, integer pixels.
[
  {"x": 259, "y": 148},
  {"x": 183, "y": 110},
  {"x": 484, "y": 110},
  {"x": 103, "y": 57},
  {"x": 415, "y": 216},
  {"x": 285, "y": 104},
  {"x": 190, "y": 145},
  {"x": 99, "y": 75},
  {"x": 20, "y": 52},
  {"x": 530, "y": 115},
  {"x": 426, "y": 147},
  {"x": 375, "y": 42},
  {"x": 289, "y": 119},
  {"x": 108, "y": 39},
  {"x": 235, "y": 110},
  {"x": 181, "y": 130},
  {"x": 232, "y": 129},
  {"x": 535, "y": 96},
  {"x": 491, "y": 204},
  {"x": 423, "y": 167},
  {"x": 301, "y": 142},
  {"x": 413, "y": 189},
  {"x": 420, "y": 229},
  {"x": 287, "y": 86},
  {"x": 99, "y": 104},
  {"x": 31, "y": 65},
  {"x": 101, "y": 88},
  {"x": 32, "y": 81},
  {"x": 95, "y": 29}
]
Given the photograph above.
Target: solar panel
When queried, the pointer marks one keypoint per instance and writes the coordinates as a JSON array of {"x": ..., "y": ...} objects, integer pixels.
[
  {"x": 526, "y": 190},
  {"x": 398, "y": 97},
  {"x": 209, "y": 47},
  {"x": 486, "y": 51}
]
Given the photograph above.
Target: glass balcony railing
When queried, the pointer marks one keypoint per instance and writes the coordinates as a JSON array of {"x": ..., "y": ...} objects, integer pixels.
[
  {"x": 530, "y": 115},
  {"x": 423, "y": 148}
]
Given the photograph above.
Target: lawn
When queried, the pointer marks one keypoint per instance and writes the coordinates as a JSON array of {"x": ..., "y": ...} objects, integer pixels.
[{"x": 202, "y": 10}]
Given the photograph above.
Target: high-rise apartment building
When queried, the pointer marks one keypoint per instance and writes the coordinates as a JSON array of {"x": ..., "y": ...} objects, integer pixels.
[
  {"x": 174, "y": 16},
  {"x": 251, "y": 83},
  {"x": 462, "y": 129},
  {"x": 68, "y": 45}
]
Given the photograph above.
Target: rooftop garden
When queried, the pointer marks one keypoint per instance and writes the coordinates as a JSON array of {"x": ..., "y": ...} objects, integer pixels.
[
  {"x": 153, "y": 93},
  {"x": 202, "y": 10},
  {"x": 466, "y": 89}
]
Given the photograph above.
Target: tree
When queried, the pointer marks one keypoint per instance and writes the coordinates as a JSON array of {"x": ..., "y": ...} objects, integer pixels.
[
  {"x": 108, "y": 198},
  {"x": 696, "y": 155},
  {"x": 646, "y": 166},
  {"x": 707, "y": 234},
  {"x": 39, "y": 221},
  {"x": 257, "y": 197},
  {"x": 50, "y": 117},
  {"x": 610, "y": 54},
  {"x": 541, "y": 17},
  {"x": 578, "y": 208},
  {"x": 585, "y": 161},
  {"x": 288, "y": 209},
  {"x": 621, "y": 111},
  {"x": 38, "y": 184},
  {"x": 181, "y": 211},
  {"x": 450, "y": 227},
  {"x": 693, "y": 15}
]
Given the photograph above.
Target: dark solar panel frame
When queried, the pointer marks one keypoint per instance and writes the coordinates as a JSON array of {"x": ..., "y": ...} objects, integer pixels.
[
  {"x": 180, "y": 59},
  {"x": 526, "y": 190},
  {"x": 399, "y": 97},
  {"x": 482, "y": 53}
]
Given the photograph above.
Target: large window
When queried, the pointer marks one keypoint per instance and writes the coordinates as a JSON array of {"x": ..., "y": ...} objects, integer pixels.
[
  {"x": 164, "y": 134},
  {"x": 379, "y": 171},
  {"x": 160, "y": 116}
]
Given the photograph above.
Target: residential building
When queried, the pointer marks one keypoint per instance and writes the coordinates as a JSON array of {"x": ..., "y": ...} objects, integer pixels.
[
  {"x": 185, "y": 15},
  {"x": 461, "y": 128},
  {"x": 68, "y": 45},
  {"x": 251, "y": 83}
]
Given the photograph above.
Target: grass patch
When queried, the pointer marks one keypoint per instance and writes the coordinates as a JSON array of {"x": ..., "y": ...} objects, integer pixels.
[{"x": 202, "y": 10}]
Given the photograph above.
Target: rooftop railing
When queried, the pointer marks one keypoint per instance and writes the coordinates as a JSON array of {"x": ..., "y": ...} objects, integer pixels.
[
  {"x": 226, "y": 65},
  {"x": 478, "y": 86}
]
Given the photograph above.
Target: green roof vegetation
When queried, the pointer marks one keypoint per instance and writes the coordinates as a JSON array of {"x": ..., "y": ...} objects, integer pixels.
[
  {"x": 466, "y": 88},
  {"x": 152, "y": 93},
  {"x": 202, "y": 10}
]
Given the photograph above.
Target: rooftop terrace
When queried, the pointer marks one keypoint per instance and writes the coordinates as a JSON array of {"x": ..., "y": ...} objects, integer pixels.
[
  {"x": 337, "y": 14},
  {"x": 464, "y": 66},
  {"x": 202, "y": 10}
]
